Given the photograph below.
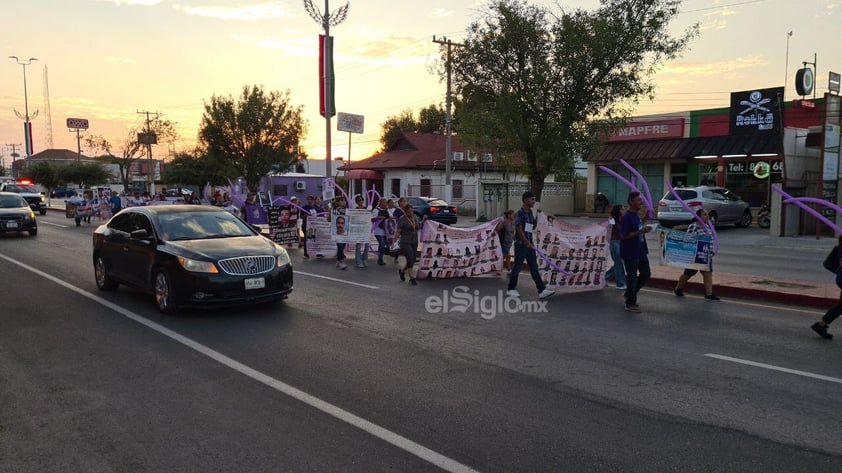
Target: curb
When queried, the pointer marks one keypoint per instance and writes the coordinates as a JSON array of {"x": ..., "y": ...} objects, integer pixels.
[{"x": 734, "y": 292}]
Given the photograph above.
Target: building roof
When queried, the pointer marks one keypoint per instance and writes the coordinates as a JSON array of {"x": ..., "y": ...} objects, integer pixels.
[
  {"x": 423, "y": 151},
  {"x": 58, "y": 155}
]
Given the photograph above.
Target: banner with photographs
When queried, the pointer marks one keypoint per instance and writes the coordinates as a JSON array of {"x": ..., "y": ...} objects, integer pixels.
[
  {"x": 685, "y": 250},
  {"x": 283, "y": 224},
  {"x": 450, "y": 252},
  {"x": 317, "y": 238},
  {"x": 255, "y": 214},
  {"x": 350, "y": 226},
  {"x": 582, "y": 251}
]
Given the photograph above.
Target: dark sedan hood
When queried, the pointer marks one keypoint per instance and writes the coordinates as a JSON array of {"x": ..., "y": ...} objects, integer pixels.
[
  {"x": 221, "y": 248},
  {"x": 17, "y": 212}
]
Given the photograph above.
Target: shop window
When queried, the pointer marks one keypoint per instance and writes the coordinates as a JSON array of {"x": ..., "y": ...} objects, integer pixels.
[{"x": 425, "y": 188}]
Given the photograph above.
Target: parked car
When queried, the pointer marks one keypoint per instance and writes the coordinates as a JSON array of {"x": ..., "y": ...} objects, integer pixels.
[
  {"x": 723, "y": 206},
  {"x": 16, "y": 215},
  {"x": 189, "y": 255},
  {"x": 36, "y": 200},
  {"x": 434, "y": 209},
  {"x": 62, "y": 192}
]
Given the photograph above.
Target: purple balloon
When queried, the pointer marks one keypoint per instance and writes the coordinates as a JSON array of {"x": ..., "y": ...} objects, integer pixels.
[
  {"x": 632, "y": 187},
  {"x": 815, "y": 213},
  {"x": 549, "y": 262},
  {"x": 645, "y": 186}
]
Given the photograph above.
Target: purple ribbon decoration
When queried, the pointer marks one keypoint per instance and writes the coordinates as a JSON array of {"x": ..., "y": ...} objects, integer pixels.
[
  {"x": 799, "y": 201},
  {"x": 344, "y": 194},
  {"x": 698, "y": 219},
  {"x": 632, "y": 187},
  {"x": 293, "y": 204},
  {"x": 550, "y": 263},
  {"x": 648, "y": 198}
]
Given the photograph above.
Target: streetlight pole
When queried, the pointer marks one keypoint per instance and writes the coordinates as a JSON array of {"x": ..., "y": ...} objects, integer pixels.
[
  {"x": 327, "y": 20},
  {"x": 27, "y": 128}
]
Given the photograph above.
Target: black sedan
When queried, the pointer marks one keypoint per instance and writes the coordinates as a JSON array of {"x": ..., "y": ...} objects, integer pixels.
[
  {"x": 16, "y": 215},
  {"x": 189, "y": 255},
  {"x": 434, "y": 209}
]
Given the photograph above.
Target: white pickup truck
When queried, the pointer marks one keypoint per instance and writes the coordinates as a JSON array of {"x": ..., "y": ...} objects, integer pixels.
[{"x": 36, "y": 200}]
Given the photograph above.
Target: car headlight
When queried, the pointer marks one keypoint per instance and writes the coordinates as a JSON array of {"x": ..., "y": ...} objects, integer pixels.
[
  {"x": 197, "y": 266},
  {"x": 283, "y": 257},
  {"x": 31, "y": 216},
  {"x": 43, "y": 199}
]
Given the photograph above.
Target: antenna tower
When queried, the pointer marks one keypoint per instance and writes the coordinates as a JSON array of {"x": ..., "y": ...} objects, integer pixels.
[{"x": 48, "y": 127}]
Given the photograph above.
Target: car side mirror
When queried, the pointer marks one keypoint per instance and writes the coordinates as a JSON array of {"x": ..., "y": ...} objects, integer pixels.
[{"x": 140, "y": 234}]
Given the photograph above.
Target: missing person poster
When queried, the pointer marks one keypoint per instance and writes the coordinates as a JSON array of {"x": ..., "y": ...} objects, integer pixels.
[
  {"x": 283, "y": 224},
  {"x": 451, "y": 252},
  {"x": 685, "y": 250}
]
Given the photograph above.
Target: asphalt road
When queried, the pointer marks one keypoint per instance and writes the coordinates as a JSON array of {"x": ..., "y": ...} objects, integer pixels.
[{"x": 353, "y": 373}]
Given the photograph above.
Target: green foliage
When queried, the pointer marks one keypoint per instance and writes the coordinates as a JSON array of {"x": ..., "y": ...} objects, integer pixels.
[
  {"x": 196, "y": 169},
  {"x": 252, "y": 133},
  {"x": 544, "y": 84},
  {"x": 44, "y": 173},
  {"x": 430, "y": 119},
  {"x": 83, "y": 174}
]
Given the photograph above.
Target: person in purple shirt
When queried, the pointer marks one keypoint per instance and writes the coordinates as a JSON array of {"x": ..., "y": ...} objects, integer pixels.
[
  {"x": 634, "y": 251},
  {"x": 525, "y": 249}
]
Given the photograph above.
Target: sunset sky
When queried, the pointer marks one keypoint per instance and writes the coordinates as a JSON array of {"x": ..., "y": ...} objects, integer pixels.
[{"x": 108, "y": 60}]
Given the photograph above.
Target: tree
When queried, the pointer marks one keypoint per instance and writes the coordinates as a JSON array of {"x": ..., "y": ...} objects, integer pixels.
[
  {"x": 196, "y": 169},
  {"x": 430, "y": 119},
  {"x": 130, "y": 149},
  {"x": 44, "y": 173},
  {"x": 252, "y": 135},
  {"x": 546, "y": 85},
  {"x": 82, "y": 174}
]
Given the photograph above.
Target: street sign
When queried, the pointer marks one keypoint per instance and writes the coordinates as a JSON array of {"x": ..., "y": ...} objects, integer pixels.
[
  {"x": 350, "y": 122},
  {"x": 79, "y": 123}
]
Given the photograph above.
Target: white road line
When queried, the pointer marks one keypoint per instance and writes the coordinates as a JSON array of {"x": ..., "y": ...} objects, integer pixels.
[
  {"x": 343, "y": 281},
  {"x": 41, "y": 222},
  {"x": 775, "y": 368},
  {"x": 403, "y": 443}
]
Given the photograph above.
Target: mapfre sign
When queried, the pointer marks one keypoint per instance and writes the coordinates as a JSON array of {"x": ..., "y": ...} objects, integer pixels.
[{"x": 80, "y": 123}]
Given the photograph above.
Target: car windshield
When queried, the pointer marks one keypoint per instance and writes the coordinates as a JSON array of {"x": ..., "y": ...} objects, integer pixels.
[
  {"x": 12, "y": 202},
  {"x": 21, "y": 188},
  {"x": 201, "y": 226},
  {"x": 437, "y": 202},
  {"x": 685, "y": 194}
]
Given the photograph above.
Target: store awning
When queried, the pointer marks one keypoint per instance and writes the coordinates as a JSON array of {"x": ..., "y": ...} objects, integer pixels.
[
  {"x": 767, "y": 144},
  {"x": 641, "y": 150},
  {"x": 366, "y": 174}
]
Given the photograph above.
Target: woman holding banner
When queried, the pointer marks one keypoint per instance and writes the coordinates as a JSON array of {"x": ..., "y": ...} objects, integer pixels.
[{"x": 707, "y": 276}]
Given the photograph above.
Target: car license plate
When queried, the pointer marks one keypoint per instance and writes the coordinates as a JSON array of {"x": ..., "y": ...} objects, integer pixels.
[
  {"x": 255, "y": 283},
  {"x": 11, "y": 224},
  {"x": 676, "y": 209}
]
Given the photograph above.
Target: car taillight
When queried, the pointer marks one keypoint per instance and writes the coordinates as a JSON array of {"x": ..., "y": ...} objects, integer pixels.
[
  {"x": 694, "y": 204},
  {"x": 434, "y": 209},
  {"x": 662, "y": 204}
]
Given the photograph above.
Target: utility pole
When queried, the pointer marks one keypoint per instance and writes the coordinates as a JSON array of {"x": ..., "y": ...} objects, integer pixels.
[
  {"x": 14, "y": 155},
  {"x": 148, "y": 138},
  {"x": 448, "y": 124}
]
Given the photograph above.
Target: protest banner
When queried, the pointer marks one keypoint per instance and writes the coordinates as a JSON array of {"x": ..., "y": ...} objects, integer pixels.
[
  {"x": 581, "y": 251},
  {"x": 451, "y": 252},
  {"x": 283, "y": 224}
]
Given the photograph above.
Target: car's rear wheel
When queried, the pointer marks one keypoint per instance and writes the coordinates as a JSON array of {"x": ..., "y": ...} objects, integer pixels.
[
  {"x": 104, "y": 282},
  {"x": 745, "y": 220},
  {"x": 164, "y": 294}
]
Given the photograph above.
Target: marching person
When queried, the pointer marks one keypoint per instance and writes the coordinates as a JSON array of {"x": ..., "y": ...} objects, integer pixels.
[
  {"x": 525, "y": 250},
  {"x": 707, "y": 276},
  {"x": 506, "y": 231},
  {"x": 617, "y": 272},
  {"x": 361, "y": 249},
  {"x": 821, "y": 326},
  {"x": 634, "y": 251},
  {"x": 407, "y": 237}
]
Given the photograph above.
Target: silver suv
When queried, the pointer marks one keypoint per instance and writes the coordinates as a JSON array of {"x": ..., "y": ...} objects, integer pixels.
[{"x": 723, "y": 206}]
